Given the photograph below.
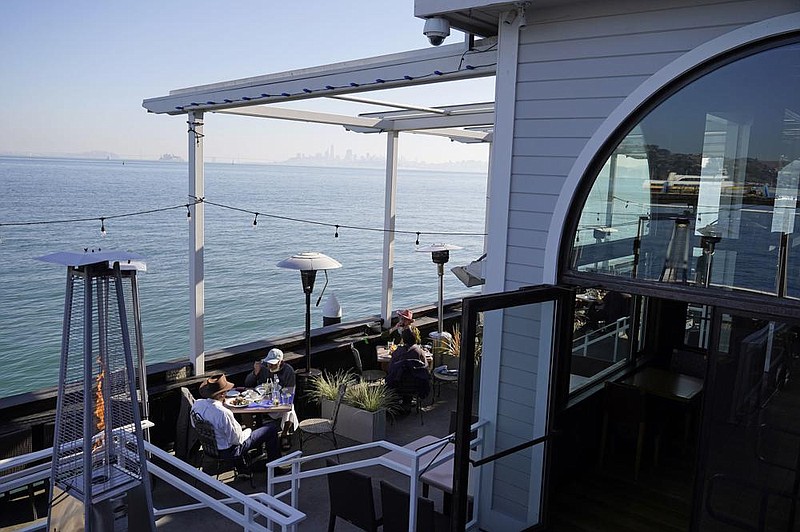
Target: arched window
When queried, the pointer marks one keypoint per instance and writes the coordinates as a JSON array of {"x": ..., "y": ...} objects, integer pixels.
[{"x": 703, "y": 189}]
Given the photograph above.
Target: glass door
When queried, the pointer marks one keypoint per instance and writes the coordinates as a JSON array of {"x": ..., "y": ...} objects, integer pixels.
[
  {"x": 749, "y": 462},
  {"x": 517, "y": 334}
]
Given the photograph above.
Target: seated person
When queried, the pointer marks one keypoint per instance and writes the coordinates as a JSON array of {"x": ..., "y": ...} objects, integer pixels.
[
  {"x": 405, "y": 319},
  {"x": 409, "y": 366},
  {"x": 232, "y": 441},
  {"x": 280, "y": 373}
]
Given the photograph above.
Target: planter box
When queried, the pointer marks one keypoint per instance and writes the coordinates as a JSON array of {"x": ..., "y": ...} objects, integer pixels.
[{"x": 356, "y": 424}]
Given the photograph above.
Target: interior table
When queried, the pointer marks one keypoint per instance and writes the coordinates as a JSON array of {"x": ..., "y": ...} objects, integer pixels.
[{"x": 666, "y": 384}]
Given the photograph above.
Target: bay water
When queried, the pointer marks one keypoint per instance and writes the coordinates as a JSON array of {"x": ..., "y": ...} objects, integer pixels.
[{"x": 247, "y": 297}]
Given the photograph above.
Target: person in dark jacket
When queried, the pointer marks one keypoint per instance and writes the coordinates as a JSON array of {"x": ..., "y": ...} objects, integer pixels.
[{"x": 408, "y": 370}]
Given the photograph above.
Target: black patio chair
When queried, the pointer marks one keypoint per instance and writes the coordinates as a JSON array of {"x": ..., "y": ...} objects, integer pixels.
[
  {"x": 208, "y": 443},
  {"x": 395, "y": 504},
  {"x": 352, "y": 499},
  {"x": 366, "y": 375}
]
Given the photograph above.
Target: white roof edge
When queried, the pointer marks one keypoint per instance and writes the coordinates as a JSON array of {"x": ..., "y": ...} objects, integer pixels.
[{"x": 381, "y": 72}]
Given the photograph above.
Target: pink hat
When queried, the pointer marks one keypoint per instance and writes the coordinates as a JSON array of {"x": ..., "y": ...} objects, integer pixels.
[{"x": 407, "y": 314}]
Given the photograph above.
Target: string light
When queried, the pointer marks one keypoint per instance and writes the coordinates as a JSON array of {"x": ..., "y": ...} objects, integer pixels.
[
  {"x": 342, "y": 226},
  {"x": 255, "y": 214}
]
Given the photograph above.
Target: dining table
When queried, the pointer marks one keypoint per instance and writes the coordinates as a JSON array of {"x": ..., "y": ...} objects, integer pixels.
[
  {"x": 385, "y": 357},
  {"x": 666, "y": 384},
  {"x": 256, "y": 403}
]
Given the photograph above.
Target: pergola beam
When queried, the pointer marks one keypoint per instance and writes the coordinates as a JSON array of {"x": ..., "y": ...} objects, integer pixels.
[{"x": 416, "y": 67}]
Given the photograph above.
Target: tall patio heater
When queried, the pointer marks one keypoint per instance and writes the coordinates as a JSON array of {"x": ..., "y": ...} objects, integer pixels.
[
  {"x": 440, "y": 254},
  {"x": 99, "y": 466}
]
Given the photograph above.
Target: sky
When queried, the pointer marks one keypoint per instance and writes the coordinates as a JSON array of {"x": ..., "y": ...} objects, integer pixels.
[{"x": 74, "y": 74}]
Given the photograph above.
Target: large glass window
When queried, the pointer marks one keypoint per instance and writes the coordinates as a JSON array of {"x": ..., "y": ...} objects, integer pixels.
[{"x": 703, "y": 190}]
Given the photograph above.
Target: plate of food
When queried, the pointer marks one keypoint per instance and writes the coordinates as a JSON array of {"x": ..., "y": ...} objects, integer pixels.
[
  {"x": 232, "y": 393},
  {"x": 239, "y": 401}
]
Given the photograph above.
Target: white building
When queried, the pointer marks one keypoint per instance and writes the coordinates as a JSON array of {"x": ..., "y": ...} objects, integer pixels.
[{"x": 594, "y": 101}]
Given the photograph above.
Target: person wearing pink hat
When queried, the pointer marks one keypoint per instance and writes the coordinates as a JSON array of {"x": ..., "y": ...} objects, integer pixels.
[{"x": 405, "y": 320}]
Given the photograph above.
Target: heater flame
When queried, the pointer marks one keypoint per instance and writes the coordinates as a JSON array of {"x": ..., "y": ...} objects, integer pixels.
[{"x": 99, "y": 406}]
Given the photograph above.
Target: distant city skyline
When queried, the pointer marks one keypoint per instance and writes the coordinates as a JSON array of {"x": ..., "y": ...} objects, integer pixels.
[{"x": 76, "y": 74}]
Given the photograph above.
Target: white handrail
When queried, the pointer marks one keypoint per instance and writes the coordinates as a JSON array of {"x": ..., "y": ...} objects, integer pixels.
[
  {"x": 252, "y": 506},
  {"x": 415, "y": 470}
]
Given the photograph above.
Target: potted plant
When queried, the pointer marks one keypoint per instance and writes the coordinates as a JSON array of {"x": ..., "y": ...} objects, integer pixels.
[{"x": 362, "y": 414}]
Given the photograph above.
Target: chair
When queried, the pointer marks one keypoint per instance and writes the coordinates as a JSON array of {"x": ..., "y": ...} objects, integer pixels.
[
  {"x": 625, "y": 408},
  {"x": 14, "y": 444},
  {"x": 320, "y": 427},
  {"x": 186, "y": 441},
  {"x": 369, "y": 356},
  {"x": 367, "y": 375},
  {"x": 414, "y": 384},
  {"x": 208, "y": 441},
  {"x": 395, "y": 504},
  {"x": 352, "y": 499}
]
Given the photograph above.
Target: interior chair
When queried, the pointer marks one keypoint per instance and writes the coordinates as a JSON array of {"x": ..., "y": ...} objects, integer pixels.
[
  {"x": 352, "y": 499},
  {"x": 366, "y": 375},
  {"x": 625, "y": 413},
  {"x": 322, "y": 427},
  {"x": 395, "y": 504},
  {"x": 208, "y": 442}
]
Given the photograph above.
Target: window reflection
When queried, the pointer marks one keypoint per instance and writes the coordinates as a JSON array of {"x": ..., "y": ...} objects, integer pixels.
[
  {"x": 703, "y": 190},
  {"x": 602, "y": 330}
]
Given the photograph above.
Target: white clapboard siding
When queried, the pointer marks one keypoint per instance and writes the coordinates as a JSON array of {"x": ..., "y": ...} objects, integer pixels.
[{"x": 576, "y": 64}]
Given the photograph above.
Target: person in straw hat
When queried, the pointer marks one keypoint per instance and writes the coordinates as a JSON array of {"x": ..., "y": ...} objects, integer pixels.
[{"x": 232, "y": 441}]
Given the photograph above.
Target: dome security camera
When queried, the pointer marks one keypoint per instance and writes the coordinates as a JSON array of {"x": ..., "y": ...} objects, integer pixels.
[{"x": 436, "y": 30}]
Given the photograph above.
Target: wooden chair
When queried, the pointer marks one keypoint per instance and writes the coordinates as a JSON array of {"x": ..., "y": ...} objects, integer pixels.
[
  {"x": 625, "y": 408},
  {"x": 395, "y": 504},
  {"x": 322, "y": 427},
  {"x": 208, "y": 442},
  {"x": 352, "y": 499},
  {"x": 366, "y": 375}
]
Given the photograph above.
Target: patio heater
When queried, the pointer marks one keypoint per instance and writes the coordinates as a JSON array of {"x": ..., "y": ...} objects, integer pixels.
[
  {"x": 99, "y": 469},
  {"x": 309, "y": 263},
  {"x": 709, "y": 239},
  {"x": 440, "y": 254}
]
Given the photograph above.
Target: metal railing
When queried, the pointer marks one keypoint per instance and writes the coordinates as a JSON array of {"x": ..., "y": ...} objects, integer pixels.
[
  {"x": 417, "y": 465},
  {"x": 611, "y": 330},
  {"x": 254, "y": 506}
]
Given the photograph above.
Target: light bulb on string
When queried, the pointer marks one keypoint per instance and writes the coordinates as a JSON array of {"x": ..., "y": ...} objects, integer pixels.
[
  {"x": 416, "y": 243},
  {"x": 255, "y": 221},
  {"x": 188, "y": 212},
  {"x": 102, "y": 227},
  {"x": 336, "y": 234}
]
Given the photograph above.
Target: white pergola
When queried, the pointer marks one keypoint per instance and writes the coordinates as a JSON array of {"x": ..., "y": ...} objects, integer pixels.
[{"x": 256, "y": 97}]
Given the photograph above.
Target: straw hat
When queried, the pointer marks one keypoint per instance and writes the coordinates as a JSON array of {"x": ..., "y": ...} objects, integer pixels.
[{"x": 214, "y": 385}]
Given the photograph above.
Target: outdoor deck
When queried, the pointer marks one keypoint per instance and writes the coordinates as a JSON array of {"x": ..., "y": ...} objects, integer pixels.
[{"x": 313, "y": 492}]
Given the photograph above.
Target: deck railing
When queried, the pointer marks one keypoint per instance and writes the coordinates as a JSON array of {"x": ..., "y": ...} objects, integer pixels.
[
  {"x": 277, "y": 513},
  {"x": 580, "y": 346},
  {"x": 418, "y": 464}
]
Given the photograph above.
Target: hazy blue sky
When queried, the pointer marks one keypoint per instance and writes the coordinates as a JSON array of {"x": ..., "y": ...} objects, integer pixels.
[{"x": 74, "y": 73}]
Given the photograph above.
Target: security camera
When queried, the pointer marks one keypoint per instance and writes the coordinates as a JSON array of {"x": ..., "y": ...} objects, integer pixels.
[{"x": 436, "y": 30}]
